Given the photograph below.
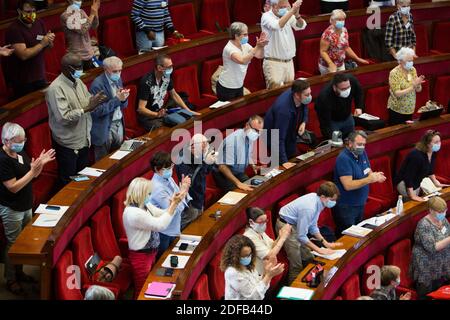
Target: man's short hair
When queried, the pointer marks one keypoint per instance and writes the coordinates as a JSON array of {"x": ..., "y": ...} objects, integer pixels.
[
  {"x": 298, "y": 86},
  {"x": 328, "y": 189},
  {"x": 388, "y": 274},
  {"x": 352, "y": 136},
  {"x": 160, "y": 59},
  {"x": 340, "y": 77},
  {"x": 255, "y": 117},
  {"x": 21, "y": 3},
  {"x": 160, "y": 160}
]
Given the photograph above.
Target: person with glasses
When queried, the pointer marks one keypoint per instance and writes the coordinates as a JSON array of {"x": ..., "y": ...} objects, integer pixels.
[
  {"x": 69, "y": 114},
  {"x": 288, "y": 115},
  {"x": 17, "y": 172},
  {"x": 236, "y": 154},
  {"x": 153, "y": 90},
  {"x": 29, "y": 37}
]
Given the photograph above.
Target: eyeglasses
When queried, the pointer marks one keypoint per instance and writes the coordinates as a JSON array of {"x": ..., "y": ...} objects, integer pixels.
[{"x": 257, "y": 130}]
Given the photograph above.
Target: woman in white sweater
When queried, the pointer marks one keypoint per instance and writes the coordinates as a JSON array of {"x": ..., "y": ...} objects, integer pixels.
[
  {"x": 242, "y": 281},
  {"x": 142, "y": 222}
]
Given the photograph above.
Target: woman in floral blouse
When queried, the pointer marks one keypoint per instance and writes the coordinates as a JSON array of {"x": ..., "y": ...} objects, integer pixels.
[
  {"x": 403, "y": 83},
  {"x": 334, "y": 46}
]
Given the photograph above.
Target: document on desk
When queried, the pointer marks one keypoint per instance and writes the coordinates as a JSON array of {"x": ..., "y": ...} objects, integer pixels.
[
  {"x": 292, "y": 293},
  {"x": 232, "y": 198},
  {"x": 48, "y": 218},
  {"x": 93, "y": 172},
  {"x": 191, "y": 241},
  {"x": 357, "y": 231},
  {"x": 337, "y": 254},
  {"x": 219, "y": 104},
  {"x": 119, "y": 154},
  {"x": 377, "y": 221},
  {"x": 51, "y": 209}
]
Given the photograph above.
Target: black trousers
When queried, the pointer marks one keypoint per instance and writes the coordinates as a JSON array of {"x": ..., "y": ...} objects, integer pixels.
[
  {"x": 398, "y": 118},
  {"x": 70, "y": 162},
  {"x": 327, "y": 7},
  {"x": 226, "y": 94},
  {"x": 225, "y": 184},
  {"x": 24, "y": 89}
]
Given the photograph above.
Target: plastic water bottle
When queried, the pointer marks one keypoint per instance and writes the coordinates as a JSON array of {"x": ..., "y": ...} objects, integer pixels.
[{"x": 399, "y": 208}]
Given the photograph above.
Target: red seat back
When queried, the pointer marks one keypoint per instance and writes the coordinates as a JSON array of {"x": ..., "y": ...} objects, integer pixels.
[
  {"x": 216, "y": 278},
  {"x": 366, "y": 282},
  {"x": 308, "y": 55},
  {"x": 254, "y": 80},
  {"x": 441, "y": 93},
  {"x": 38, "y": 139},
  {"x": 117, "y": 213},
  {"x": 208, "y": 69},
  {"x": 354, "y": 40},
  {"x": 63, "y": 272},
  {"x": 386, "y": 189},
  {"x": 313, "y": 121},
  {"x": 118, "y": 36},
  {"x": 215, "y": 12},
  {"x": 440, "y": 36},
  {"x": 423, "y": 96},
  {"x": 399, "y": 254},
  {"x": 350, "y": 289},
  {"x": 442, "y": 168},
  {"x": 82, "y": 251},
  {"x": 248, "y": 11},
  {"x": 421, "y": 31},
  {"x": 269, "y": 229},
  {"x": 201, "y": 288},
  {"x": 401, "y": 155},
  {"x": 53, "y": 56},
  {"x": 183, "y": 18},
  {"x": 103, "y": 237},
  {"x": 326, "y": 217},
  {"x": 130, "y": 114},
  {"x": 355, "y": 4},
  {"x": 186, "y": 79},
  {"x": 309, "y": 8},
  {"x": 376, "y": 102}
]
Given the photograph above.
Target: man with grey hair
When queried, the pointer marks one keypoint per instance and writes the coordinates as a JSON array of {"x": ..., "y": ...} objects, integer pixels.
[
  {"x": 278, "y": 24},
  {"x": 352, "y": 175},
  {"x": 107, "y": 119},
  {"x": 96, "y": 292},
  {"x": 400, "y": 29},
  {"x": 69, "y": 114}
]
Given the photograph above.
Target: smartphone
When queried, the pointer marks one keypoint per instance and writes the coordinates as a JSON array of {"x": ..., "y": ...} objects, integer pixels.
[
  {"x": 53, "y": 208},
  {"x": 173, "y": 261},
  {"x": 183, "y": 246},
  {"x": 79, "y": 178}
]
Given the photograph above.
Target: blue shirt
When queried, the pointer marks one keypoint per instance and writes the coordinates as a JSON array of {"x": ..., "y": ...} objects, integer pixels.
[
  {"x": 162, "y": 192},
  {"x": 236, "y": 151},
  {"x": 347, "y": 164},
  {"x": 304, "y": 213},
  {"x": 151, "y": 15},
  {"x": 285, "y": 116}
]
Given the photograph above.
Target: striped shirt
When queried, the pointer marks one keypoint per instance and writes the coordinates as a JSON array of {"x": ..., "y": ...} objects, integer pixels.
[{"x": 151, "y": 15}]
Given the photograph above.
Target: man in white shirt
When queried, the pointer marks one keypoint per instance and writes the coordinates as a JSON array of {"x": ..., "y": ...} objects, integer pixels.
[{"x": 278, "y": 25}]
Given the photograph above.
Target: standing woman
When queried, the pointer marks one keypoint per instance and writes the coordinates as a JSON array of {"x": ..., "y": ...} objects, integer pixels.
[
  {"x": 16, "y": 195},
  {"x": 403, "y": 83},
  {"x": 237, "y": 55}
]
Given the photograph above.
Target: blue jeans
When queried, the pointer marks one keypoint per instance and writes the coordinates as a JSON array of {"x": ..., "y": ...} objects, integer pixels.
[
  {"x": 164, "y": 243},
  {"x": 13, "y": 222},
  {"x": 346, "y": 127},
  {"x": 144, "y": 44},
  {"x": 345, "y": 216}
]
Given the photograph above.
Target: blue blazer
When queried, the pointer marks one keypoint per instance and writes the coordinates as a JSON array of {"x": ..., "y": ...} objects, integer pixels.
[{"x": 102, "y": 115}]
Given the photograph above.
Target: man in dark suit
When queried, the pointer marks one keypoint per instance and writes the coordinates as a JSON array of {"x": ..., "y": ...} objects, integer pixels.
[{"x": 107, "y": 131}]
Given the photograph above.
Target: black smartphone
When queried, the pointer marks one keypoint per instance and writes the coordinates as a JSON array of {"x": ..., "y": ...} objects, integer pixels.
[
  {"x": 52, "y": 208},
  {"x": 183, "y": 246},
  {"x": 168, "y": 272},
  {"x": 173, "y": 261}
]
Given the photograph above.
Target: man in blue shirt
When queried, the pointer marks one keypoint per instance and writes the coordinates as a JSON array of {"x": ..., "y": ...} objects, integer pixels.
[
  {"x": 352, "y": 175},
  {"x": 288, "y": 115},
  {"x": 303, "y": 214},
  {"x": 235, "y": 155},
  {"x": 163, "y": 190}
]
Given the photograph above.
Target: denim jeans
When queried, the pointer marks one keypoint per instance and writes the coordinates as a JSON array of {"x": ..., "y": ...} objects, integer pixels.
[
  {"x": 144, "y": 44},
  {"x": 345, "y": 216},
  {"x": 164, "y": 244},
  {"x": 13, "y": 222},
  {"x": 346, "y": 127}
]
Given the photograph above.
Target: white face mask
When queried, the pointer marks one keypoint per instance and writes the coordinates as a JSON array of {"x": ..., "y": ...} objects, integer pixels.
[
  {"x": 259, "y": 227},
  {"x": 345, "y": 93},
  {"x": 252, "y": 135}
]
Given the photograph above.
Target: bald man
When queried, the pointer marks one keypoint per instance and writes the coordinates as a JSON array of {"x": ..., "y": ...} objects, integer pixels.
[{"x": 69, "y": 105}]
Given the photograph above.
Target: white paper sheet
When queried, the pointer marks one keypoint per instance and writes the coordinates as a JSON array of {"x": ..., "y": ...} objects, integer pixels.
[
  {"x": 219, "y": 104},
  {"x": 47, "y": 220},
  {"x": 192, "y": 241},
  {"x": 93, "y": 172},
  {"x": 119, "y": 155},
  {"x": 182, "y": 261},
  {"x": 367, "y": 116},
  {"x": 377, "y": 221},
  {"x": 42, "y": 209},
  {"x": 335, "y": 255},
  {"x": 232, "y": 198},
  {"x": 292, "y": 293}
]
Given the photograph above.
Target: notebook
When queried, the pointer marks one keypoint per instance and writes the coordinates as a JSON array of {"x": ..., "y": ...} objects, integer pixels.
[
  {"x": 357, "y": 231},
  {"x": 232, "y": 198},
  {"x": 159, "y": 290}
]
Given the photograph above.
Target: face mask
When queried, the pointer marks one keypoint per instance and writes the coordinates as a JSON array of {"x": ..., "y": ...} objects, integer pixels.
[
  {"x": 168, "y": 72},
  {"x": 147, "y": 200},
  {"x": 76, "y": 5},
  {"x": 167, "y": 173},
  {"x": 358, "y": 150},
  {"x": 246, "y": 260},
  {"x": 252, "y": 135},
  {"x": 77, "y": 73},
  {"x": 441, "y": 216},
  {"x": 436, "y": 147},
  {"x": 409, "y": 65},
  {"x": 340, "y": 24},
  {"x": 330, "y": 204},
  {"x": 307, "y": 100},
  {"x": 282, "y": 11},
  {"x": 115, "y": 76},
  {"x": 404, "y": 10},
  {"x": 28, "y": 18},
  {"x": 17, "y": 147},
  {"x": 345, "y": 93},
  {"x": 259, "y": 227},
  {"x": 396, "y": 283},
  {"x": 244, "y": 40}
]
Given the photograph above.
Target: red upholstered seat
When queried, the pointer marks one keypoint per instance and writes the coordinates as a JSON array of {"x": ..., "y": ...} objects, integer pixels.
[
  {"x": 117, "y": 221},
  {"x": 356, "y": 4},
  {"x": 401, "y": 155},
  {"x": 248, "y": 11},
  {"x": 53, "y": 57},
  {"x": 216, "y": 278},
  {"x": 383, "y": 191},
  {"x": 350, "y": 289},
  {"x": 103, "y": 237},
  {"x": 183, "y": 18},
  {"x": 313, "y": 122},
  {"x": 200, "y": 291},
  {"x": 215, "y": 12},
  {"x": 309, "y": 8},
  {"x": 376, "y": 102},
  {"x": 399, "y": 254},
  {"x": 440, "y": 36},
  {"x": 132, "y": 126},
  {"x": 373, "y": 206},
  {"x": 44, "y": 187},
  {"x": 423, "y": 96},
  {"x": 254, "y": 80},
  {"x": 422, "y": 48},
  {"x": 338, "y": 298},
  {"x": 213, "y": 192},
  {"x": 186, "y": 80},
  {"x": 326, "y": 217},
  {"x": 62, "y": 273},
  {"x": 118, "y": 36},
  {"x": 38, "y": 139},
  {"x": 308, "y": 57},
  {"x": 269, "y": 229},
  {"x": 441, "y": 93},
  {"x": 442, "y": 168},
  {"x": 367, "y": 273},
  {"x": 208, "y": 69}
]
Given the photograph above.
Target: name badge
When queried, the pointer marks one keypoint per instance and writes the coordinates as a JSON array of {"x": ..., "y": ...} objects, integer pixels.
[
  {"x": 444, "y": 230},
  {"x": 163, "y": 4},
  {"x": 83, "y": 21},
  {"x": 366, "y": 171},
  {"x": 20, "y": 159},
  {"x": 39, "y": 37}
]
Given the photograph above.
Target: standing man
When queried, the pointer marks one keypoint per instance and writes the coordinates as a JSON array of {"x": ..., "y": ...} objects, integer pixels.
[
  {"x": 289, "y": 115},
  {"x": 25, "y": 70},
  {"x": 107, "y": 119},
  {"x": 278, "y": 24},
  {"x": 334, "y": 105},
  {"x": 69, "y": 105},
  {"x": 352, "y": 175}
]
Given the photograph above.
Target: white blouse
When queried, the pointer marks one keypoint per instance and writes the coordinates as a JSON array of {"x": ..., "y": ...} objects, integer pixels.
[{"x": 244, "y": 285}]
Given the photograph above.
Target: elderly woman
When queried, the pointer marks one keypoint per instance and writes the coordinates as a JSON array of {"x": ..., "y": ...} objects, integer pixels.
[
  {"x": 99, "y": 293},
  {"x": 419, "y": 164},
  {"x": 430, "y": 267},
  {"x": 334, "y": 46},
  {"x": 403, "y": 83},
  {"x": 400, "y": 29},
  {"x": 237, "y": 55},
  {"x": 16, "y": 196},
  {"x": 142, "y": 222},
  {"x": 242, "y": 281},
  {"x": 76, "y": 24}
]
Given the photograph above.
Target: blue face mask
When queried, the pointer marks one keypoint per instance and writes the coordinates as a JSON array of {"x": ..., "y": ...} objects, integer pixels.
[
  {"x": 409, "y": 65},
  {"x": 17, "y": 147},
  {"x": 436, "y": 147},
  {"x": 405, "y": 10},
  {"x": 441, "y": 216},
  {"x": 246, "y": 260},
  {"x": 340, "y": 24},
  {"x": 115, "y": 77},
  {"x": 168, "y": 72},
  {"x": 76, "y": 5},
  {"x": 307, "y": 100},
  {"x": 330, "y": 204},
  {"x": 167, "y": 173},
  {"x": 282, "y": 11},
  {"x": 76, "y": 74},
  {"x": 244, "y": 40},
  {"x": 358, "y": 150}
]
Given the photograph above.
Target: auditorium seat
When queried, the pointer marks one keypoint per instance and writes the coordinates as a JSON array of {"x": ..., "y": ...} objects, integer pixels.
[
  {"x": 350, "y": 289},
  {"x": 423, "y": 96},
  {"x": 117, "y": 35},
  {"x": 132, "y": 126},
  {"x": 62, "y": 274},
  {"x": 286, "y": 201},
  {"x": 326, "y": 217},
  {"x": 308, "y": 58},
  {"x": 216, "y": 277},
  {"x": 376, "y": 102},
  {"x": 269, "y": 229},
  {"x": 368, "y": 275},
  {"x": 356, "y": 4},
  {"x": 440, "y": 37},
  {"x": 441, "y": 92},
  {"x": 355, "y": 41},
  {"x": 399, "y": 254},
  {"x": 200, "y": 291},
  {"x": 183, "y": 18},
  {"x": 116, "y": 216},
  {"x": 208, "y": 69},
  {"x": 44, "y": 187},
  {"x": 213, "y": 192},
  {"x": 54, "y": 55},
  {"x": 185, "y": 79},
  {"x": 373, "y": 207},
  {"x": 442, "y": 168},
  {"x": 422, "y": 47},
  {"x": 254, "y": 80},
  {"x": 313, "y": 122},
  {"x": 214, "y": 14},
  {"x": 309, "y": 8},
  {"x": 248, "y": 11},
  {"x": 401, "y": 155},
  {"x": 383, "y": 191}
]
